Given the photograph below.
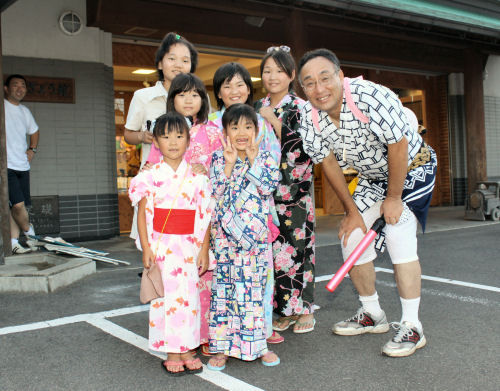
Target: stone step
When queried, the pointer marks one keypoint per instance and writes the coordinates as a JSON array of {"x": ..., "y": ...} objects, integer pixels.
[{"x": 42, "y": 272}]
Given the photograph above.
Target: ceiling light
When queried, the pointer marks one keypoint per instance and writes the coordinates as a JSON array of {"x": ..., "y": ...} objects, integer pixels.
[
  {"x": 144, "y": 71},
  {"x": 256, "y": 78},
  {"x": 256, "y": 21}
]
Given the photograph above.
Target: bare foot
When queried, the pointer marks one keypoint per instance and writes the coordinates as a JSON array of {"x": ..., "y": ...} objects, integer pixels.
[
  {"x": 270, "y": 359},
  {"x": 190, "y": 362},
  {"x": 284, "y": 323},
  {"x": 218, "y": 361},
  {"x": 304, "y": 322},
  {"x": 174, "y": 363}
]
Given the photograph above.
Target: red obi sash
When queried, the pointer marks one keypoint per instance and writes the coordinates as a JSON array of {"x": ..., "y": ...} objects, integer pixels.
[{"x": 180, "y": 221}]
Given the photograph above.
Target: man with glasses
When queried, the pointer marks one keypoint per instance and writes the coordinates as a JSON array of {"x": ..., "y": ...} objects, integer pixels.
[{"x": 359, "y": 124}]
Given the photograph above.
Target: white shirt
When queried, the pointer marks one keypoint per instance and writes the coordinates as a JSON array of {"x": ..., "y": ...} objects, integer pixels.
[
  {"x": 19, "y": 122},
  {"x": 147, "y": 104}
]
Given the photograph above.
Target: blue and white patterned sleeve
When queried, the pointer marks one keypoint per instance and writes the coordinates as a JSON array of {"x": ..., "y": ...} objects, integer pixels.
[{"x": 264, "y": 173}]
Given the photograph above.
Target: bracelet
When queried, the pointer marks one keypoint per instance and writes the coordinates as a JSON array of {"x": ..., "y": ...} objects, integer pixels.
[{"x": 141, "y": 136}]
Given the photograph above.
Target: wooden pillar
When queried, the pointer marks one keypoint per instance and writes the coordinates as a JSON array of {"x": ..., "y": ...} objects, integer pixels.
[
  {"x": 475, "y": 133},
  {"x": 5, "y": 245},
  {"x": 296, "y": 38}
]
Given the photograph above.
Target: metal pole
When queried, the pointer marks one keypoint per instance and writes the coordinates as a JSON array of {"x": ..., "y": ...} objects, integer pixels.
[{"x": 5, "y": 245}]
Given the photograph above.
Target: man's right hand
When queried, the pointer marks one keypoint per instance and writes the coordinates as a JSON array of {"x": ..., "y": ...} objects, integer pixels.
[
  {"x": 146, "y": 137},
  {"x": 349, "y": 223}
]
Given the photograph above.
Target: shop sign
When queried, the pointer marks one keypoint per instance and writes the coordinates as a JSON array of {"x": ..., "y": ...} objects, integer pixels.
[{"x": 50, "y": 89}]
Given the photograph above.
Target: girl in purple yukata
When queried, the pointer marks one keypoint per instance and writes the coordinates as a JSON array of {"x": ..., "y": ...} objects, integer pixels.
[
  {"x": 187, "y": 95},
  {"x": 243, "y": 179},
  {"x": 173, "y": 216}
]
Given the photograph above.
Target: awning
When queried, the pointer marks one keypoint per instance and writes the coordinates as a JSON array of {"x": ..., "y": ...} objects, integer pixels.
[{"x": 483, "y": 17}]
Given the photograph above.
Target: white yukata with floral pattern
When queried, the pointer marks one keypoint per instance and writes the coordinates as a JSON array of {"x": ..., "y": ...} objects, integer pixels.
[{"x": 174, "y": 320}]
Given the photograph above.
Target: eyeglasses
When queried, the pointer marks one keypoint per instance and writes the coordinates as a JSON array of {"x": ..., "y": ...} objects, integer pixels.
[
  {"x": 324, "y": 80},
  {"x": 283, "y": 48}
]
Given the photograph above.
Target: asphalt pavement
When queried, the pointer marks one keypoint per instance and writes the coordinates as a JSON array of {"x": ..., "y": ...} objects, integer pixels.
[{"x": 91, "y": 335}]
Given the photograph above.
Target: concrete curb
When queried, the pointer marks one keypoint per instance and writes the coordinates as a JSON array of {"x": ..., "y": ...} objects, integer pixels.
[{"x": 42, "y": 272}]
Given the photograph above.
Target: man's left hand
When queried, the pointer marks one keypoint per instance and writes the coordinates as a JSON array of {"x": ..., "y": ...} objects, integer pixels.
[
  {"x": 30, "y": 155},
  {"x": 391, "y": 208}
]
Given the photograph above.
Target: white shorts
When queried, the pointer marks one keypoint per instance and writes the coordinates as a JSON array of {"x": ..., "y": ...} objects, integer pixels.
[{"x": 400, "y": 238}]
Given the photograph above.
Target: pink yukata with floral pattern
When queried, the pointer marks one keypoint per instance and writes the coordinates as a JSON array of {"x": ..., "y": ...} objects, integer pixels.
[
  {"x": 174, "y": 320},
  {"x": 204, "y": 140}
]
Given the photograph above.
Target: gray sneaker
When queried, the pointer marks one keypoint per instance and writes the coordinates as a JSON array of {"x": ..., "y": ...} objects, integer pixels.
[
  {"x": 405, "y": 342},
  {"x": 362, "y": 323},
  {"x": 18, "y": 249}
]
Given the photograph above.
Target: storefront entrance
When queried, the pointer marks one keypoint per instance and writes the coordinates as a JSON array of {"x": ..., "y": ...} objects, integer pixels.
[{"x": 133, "y": 66}]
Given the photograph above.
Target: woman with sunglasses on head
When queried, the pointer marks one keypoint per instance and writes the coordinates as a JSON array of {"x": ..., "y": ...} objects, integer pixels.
[{"x": 293, "y": 249}]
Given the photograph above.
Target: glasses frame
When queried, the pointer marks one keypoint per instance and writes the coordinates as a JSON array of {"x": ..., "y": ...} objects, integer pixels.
[{"x": 319, "y": 82}]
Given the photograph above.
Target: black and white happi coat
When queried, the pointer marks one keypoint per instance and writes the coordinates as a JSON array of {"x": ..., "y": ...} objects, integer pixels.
[{"x": 363, "y": 146}]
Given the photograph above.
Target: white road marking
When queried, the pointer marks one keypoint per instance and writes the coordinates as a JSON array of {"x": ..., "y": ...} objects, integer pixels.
[
  {"x": 98, "y": 320},
  {"x": 220, "y": 379},
  {"x": 447, "y": 281},
  {"x": 73, "y": 319},
  {"x": 448, "y": 295},
  {"x": 327, "y": 277}
]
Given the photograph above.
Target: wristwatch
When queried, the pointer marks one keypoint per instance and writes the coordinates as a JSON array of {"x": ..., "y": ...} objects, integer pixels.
[{"x": 33, "y": 149}]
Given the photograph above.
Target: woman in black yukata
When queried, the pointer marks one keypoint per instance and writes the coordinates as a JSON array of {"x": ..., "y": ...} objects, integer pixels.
[{"x": 294, "y": 248}]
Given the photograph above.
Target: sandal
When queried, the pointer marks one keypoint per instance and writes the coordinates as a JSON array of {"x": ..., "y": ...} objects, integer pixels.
[
  {"x": 306, "y": 330},
  {"x": 205, "y": 350},
  {"x": 275, "y": 338},
  {"x": 270, "y": 363},
  {"x": 192, "y": 362},
  {"x": 287, "y": 320},
  {"x": 174, "y": 364},
  {"x": 217, "y": 360}
]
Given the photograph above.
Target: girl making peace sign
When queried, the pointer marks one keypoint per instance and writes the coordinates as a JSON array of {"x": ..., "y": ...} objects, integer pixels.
[{"x": 243, "y": 180}]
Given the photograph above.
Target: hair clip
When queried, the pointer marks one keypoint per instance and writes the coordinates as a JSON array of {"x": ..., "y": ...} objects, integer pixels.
[
  {"x": 177, "y": 36},
  {"x": 283, "y": 48}
]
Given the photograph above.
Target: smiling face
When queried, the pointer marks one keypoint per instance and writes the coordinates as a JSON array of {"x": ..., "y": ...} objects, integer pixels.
[
  {"x": 322, "y": 84},
  {"x": 234, "y": 91},
  {"x": 275, "y": 79},
  {"x": 177, "y": 60},
  {"x": 172, "y": 146},
  {"x": 241, "y": 135},
  {"x": 16, "y": 90},
  {"x": 188, "y": 103}
]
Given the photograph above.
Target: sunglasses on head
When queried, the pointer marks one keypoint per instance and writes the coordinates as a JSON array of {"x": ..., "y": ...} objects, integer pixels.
[{"x": 283, "y": 48}]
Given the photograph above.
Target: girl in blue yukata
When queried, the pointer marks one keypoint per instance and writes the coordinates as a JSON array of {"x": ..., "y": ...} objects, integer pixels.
[
  {"x": 233, "y": 84},
  {"x": 243, "y": 179}
]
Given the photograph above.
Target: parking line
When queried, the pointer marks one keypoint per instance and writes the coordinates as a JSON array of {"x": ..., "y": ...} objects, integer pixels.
[
  {"x": 327, "y": 277},
  {"x": 220, "y": 379},
  {"x": 73, "y": 319}
]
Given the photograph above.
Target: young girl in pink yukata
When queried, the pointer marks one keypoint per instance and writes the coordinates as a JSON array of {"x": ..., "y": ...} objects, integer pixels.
[
  {"x": 187, "y": 95},
  {"x": 173, "y": 216}
]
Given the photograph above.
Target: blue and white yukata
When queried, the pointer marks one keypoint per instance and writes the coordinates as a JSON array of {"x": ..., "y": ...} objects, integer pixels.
[
  {"x": 363, "y": 146},
  {"x": 239, "y": 237}
]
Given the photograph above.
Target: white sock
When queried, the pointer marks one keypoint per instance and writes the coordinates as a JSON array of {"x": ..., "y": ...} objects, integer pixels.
[
  {"x": 371, "y": 305},
  {"x": 13, "y": 242},
  {"x": 31, "y": 231},
  {"x": 410, "y": 312}
]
